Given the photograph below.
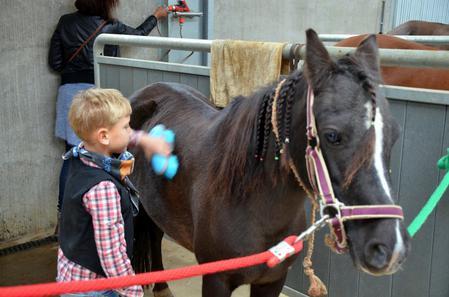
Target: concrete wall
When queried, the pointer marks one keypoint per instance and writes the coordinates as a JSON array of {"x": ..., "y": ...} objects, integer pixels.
[
  {"x": 286, "y": 21},
  {"x": 29, "y": 152}
]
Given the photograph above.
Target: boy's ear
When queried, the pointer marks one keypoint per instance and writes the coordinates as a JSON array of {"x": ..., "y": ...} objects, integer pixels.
[{"x": 102, "y": 136}]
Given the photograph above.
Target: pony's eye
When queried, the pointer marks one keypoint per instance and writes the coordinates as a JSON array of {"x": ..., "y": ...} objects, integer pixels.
[{"x": 333, "y": 137}]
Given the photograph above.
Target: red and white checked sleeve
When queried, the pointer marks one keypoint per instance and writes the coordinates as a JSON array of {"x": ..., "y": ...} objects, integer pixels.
[{"x": 103, "y": 203}]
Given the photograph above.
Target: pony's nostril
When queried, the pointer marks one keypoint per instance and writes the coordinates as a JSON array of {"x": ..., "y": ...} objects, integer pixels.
[{"x": 376, "y": 255}]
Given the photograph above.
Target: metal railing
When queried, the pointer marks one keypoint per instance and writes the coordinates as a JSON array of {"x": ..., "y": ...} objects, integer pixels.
[
  {"x": 398, "y": 57},
  {"x": 388, "y": 57},
  {"x": 186, "y": 44}
]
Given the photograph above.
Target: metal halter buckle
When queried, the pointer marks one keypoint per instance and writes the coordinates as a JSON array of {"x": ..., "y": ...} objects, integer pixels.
[{"x": 331, "y": 210}]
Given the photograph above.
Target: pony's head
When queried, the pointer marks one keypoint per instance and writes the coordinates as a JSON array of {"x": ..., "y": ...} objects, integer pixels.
[{"x": 356, "y": 133}]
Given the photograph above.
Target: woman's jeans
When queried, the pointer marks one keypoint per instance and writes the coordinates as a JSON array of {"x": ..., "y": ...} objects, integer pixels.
[{"x": 93, "y": 294}]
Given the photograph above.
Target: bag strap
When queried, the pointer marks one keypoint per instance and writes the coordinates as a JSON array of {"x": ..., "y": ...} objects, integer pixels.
[{"x": 86, "y": 41}]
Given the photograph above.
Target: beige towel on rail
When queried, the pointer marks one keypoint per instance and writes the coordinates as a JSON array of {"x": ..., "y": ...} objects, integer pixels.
[{"x": 240, "y": 67}]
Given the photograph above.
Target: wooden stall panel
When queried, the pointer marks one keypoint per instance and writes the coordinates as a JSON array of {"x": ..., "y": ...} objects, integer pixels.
[
  {"x": 422, "y": 132},
  {"x": 140, "y": 78},
  {"x": 126, "y": 79},
  {"x": 439, "y": 276}
]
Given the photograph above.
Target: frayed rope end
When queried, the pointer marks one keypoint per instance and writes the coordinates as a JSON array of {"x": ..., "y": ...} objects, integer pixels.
[{"x": 317, "y": 288}]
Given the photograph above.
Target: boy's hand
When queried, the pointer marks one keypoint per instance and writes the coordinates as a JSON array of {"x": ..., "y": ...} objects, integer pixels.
[{"x": 154, "y": 145}]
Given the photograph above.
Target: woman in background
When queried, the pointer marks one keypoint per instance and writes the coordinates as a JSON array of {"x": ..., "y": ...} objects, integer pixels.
[{"x": 71, "y": 54}]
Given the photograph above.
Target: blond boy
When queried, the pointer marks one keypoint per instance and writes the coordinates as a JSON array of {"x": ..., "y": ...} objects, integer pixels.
[{"x": 96, "y": 231}]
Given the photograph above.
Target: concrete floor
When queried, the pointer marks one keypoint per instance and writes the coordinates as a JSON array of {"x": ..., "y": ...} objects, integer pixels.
[{"x": 38, "y": 265}]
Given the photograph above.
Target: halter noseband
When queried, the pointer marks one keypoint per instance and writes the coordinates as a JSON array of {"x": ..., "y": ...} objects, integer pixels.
[{"x": 323, "y": 193}]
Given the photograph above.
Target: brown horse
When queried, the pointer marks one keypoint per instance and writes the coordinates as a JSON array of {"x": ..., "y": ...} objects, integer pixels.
[
  {"x": 422, "y": 28},
  {"x": 428, "y": 78},
  {"x": 231, "y": 197}
]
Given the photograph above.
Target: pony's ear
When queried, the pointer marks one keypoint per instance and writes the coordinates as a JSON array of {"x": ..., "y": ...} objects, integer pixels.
[
  {"x": 318, "y": 63},
  {"x": 368, "y": 54}
]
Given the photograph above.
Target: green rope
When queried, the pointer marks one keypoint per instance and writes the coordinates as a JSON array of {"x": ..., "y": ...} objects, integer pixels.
[{"x": 422, "y": 216}]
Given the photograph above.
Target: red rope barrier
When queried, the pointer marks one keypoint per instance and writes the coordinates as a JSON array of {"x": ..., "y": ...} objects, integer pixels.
[{"x": 49, "y": 289}]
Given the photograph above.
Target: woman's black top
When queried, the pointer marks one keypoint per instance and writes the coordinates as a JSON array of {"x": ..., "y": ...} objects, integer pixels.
[{"x": 72, "y": 30}]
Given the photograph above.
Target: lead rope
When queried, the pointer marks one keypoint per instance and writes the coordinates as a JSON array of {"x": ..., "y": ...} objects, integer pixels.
[{"x": 317, "y": 288}]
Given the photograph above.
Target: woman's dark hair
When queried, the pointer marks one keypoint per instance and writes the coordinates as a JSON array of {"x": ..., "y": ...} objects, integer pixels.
[{"x": 102, "y": 8}]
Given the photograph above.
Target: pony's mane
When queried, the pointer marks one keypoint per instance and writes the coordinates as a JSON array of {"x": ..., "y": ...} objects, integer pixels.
[{"x": 244, "y": 136}]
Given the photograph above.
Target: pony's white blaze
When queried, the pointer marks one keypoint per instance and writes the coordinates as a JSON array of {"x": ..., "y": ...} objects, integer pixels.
[
  {"x": 380, "y": 170},
  {"x": 399, "y": 246},
  {"x": 378, "y": 147},
  {"x": 398, "y": 250}
]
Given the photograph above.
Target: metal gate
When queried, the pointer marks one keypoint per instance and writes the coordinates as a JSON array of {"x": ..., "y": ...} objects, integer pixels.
[{"x": 424, "y": 119}]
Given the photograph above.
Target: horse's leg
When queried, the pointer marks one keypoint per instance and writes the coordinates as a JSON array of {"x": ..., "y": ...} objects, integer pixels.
[
  {"x": 147, "y": 250},
  {"x": 214, "y": 285},
  {"x": 268, "y": 290},
  {"x": 159, "y": 289}
]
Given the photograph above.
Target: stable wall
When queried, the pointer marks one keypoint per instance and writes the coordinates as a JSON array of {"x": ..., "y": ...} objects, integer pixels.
[
  {"x": 30, "y": 154},
  {"x": 273, "y": 20}
]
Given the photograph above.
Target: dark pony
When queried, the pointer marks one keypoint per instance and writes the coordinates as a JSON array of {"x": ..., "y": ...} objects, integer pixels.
[{"x": 234, "y": 195}]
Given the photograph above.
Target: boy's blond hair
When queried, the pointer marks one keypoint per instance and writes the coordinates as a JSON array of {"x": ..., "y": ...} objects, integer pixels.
[{"x": 97, "y": 108}]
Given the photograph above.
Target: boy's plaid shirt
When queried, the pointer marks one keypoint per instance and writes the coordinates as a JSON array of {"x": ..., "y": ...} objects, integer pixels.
[{"x": 102, "y": 202}]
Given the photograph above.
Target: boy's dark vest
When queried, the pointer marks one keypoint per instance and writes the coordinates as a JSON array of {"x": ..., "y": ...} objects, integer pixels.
[{"x": 76, "y": 234}]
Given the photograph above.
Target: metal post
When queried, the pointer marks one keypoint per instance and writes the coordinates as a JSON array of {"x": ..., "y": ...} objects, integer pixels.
[
  {"x": 382, "y": 16},
  {"x": 188, "y": 14}
]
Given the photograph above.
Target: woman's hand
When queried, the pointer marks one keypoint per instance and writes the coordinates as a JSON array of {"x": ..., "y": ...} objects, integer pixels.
[
  {"x": 154, "y": 145},
  {"x": 160, "y": 13}
]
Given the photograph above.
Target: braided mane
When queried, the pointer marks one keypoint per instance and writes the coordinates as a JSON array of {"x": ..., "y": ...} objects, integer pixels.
[{"x": 245, "y": 136}]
